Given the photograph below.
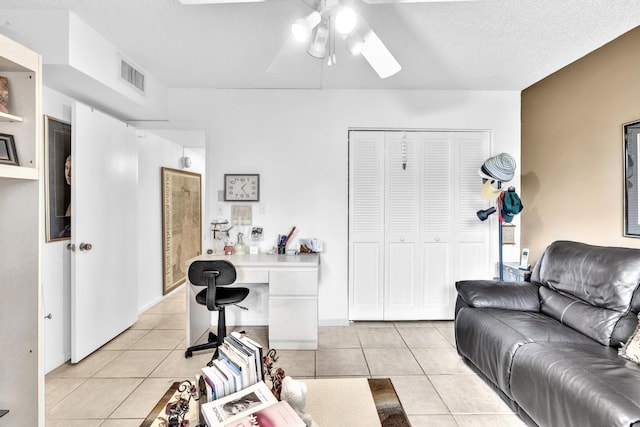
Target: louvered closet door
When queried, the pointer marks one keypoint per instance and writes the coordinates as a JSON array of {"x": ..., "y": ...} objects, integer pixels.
[
  {"x": 366, "y": 225},
  {"x": 413, "y": 231},
  {"x": 437, "y": 223},
  {"x": 472, "y": 235},
  {"x": 403, "y": 281}
]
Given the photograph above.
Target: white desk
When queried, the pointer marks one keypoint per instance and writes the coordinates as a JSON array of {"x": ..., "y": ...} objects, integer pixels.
[{"x": 293, "y": 297}]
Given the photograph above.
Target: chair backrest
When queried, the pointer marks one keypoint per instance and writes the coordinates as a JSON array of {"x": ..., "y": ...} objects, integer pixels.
[
  {"x": 224, "y": 272},
  {"x": 212, "y": 273}
]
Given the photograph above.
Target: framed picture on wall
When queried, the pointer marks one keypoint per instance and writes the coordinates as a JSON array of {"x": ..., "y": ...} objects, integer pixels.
[
  {"x": 631, "y": 136},
  {"x": 181, "y": 224},
  {"x": 57, "y": 164}
]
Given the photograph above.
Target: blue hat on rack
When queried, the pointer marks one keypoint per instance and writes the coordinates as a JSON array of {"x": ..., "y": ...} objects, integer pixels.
[{"x": 510, "y": 205}]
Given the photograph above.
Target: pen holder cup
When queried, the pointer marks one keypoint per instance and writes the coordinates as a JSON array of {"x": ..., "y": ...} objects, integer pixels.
[{"x": 282, "y": 249}]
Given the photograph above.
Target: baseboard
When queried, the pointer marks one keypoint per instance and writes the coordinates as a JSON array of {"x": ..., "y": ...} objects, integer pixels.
[{"x": 333, "y": 322}]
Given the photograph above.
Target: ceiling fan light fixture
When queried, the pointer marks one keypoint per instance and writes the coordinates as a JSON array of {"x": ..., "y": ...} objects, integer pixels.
[
  {"x": 346, "y": 20},
  {"x": 302, "y": 28},
  {"x": 378, "y": 56},
  {"x": 318, "y": 46},
  {"x": 354, "y": 43}
]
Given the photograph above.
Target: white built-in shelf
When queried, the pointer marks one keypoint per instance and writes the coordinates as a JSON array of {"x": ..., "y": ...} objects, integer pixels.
[
  {"x": 6, "y": 117},
  {"x": 18, "y": 172}
]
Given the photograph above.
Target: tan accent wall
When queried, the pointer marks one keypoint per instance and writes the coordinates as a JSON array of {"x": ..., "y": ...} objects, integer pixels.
[{"x": 572, "y": 153}]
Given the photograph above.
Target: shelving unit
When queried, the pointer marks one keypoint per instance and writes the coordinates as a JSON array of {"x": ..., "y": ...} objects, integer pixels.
[{"x": 22, "y": 385}]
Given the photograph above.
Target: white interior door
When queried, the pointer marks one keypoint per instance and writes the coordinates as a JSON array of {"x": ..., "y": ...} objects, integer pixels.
[{"x": 103, "y": 191}]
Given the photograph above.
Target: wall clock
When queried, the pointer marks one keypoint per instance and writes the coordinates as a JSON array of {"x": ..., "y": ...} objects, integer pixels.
[{"x": 241, "y": 187}]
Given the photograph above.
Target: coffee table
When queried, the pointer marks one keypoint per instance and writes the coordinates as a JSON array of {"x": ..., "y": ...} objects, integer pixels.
[
  {"x": 341, "y": 402},
  {"x": 332, "y": 402}
]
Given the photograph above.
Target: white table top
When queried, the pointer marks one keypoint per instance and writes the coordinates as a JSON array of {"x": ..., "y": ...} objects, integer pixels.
[{"x": 265, "y": 260}]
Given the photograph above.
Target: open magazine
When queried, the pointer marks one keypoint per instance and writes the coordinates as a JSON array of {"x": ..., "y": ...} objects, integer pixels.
[
  {"x": 279, "y": 414},
  {"x": 240, "y": 404}
]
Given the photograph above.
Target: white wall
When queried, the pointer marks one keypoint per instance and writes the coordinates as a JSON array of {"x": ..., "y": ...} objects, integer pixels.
[
  {"x": 56, "y": 261},
  {"x": 297, "y": 140},
  {"x": 155, "y": 152}
]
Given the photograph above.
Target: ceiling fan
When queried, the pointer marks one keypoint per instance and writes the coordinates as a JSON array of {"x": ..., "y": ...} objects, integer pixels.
[{"x": 331, "y": 18}]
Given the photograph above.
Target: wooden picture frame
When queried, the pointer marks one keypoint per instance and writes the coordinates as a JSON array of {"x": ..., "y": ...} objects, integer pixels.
[
  {"x": 8, "y": 153},
  {"x": 181, "y": 224},
  {"x": 631, "y": 150},
  {"x": 57, "y": 175}
]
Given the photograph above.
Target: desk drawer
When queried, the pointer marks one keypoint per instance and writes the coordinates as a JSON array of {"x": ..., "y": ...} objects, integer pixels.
[
  {"x": 248, "y": 275},
  {"x": 293, "y": 282}
]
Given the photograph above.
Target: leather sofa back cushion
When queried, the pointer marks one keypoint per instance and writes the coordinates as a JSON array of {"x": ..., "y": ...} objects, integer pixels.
[
  {"x": 596, "y": 323},
  {"x": 590, "y": 288},
  {"x": 604, "y": 277}
]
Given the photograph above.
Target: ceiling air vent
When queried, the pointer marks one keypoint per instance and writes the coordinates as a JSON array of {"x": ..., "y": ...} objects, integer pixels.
[{"x": 131, "y": 75}]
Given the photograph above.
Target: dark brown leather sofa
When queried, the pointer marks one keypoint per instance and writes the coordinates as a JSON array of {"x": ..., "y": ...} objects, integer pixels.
[{"x": 550, "y": 347}]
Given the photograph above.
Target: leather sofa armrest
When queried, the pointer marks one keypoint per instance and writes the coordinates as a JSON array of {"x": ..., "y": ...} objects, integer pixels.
[{"x": 522, "y": 296}]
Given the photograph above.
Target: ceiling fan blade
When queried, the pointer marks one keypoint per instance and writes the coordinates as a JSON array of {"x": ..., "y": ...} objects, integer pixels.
[
  {"x": 408, "y": 1},
  {"x": 192, "y": 2},
  {"x": 378, "y": 56}
]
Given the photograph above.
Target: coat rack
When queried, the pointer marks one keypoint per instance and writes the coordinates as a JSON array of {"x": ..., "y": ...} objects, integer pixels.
[{"x": 499, "y": 169}]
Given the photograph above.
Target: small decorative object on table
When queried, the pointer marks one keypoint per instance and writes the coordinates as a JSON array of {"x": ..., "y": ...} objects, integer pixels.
[
  {"x": 294, "y": 392},
  {"x": 176, "y": 410},
  {"x": 275, "y": 377}
]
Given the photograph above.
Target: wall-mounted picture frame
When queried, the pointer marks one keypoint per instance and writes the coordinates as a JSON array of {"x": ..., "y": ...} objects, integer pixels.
[
  {"x": 57, "y": 163},
  {"x": 508, "y": 234},
  {"x": 631, "y": 147},
  {"x": 8, "y": 153},
  {"x": 181, "y": 224}
]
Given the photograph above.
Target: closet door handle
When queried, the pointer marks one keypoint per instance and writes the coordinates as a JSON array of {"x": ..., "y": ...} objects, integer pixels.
[{"x": 85, "y": 246}]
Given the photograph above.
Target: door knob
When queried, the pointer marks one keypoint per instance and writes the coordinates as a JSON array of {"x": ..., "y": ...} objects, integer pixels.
[
  {"x": 85, "y": 246},
  {"x": 71, "y": 247},
  {"x": 49, "y": 316}
]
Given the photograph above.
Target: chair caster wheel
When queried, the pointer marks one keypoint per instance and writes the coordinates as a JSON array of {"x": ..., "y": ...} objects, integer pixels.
[{"x": 188, "y": 354}]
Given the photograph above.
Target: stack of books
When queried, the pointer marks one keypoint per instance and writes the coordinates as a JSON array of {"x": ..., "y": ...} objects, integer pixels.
[
  {"x": 254, "y": 406},
  {"x": 238, "y": 366}
]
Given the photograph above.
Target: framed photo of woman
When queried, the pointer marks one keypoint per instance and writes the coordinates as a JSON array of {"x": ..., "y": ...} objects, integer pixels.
[{"x": 57, "y": 179}]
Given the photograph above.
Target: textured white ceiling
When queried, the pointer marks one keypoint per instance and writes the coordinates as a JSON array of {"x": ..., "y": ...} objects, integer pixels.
[{"x": 478, "y": 45}]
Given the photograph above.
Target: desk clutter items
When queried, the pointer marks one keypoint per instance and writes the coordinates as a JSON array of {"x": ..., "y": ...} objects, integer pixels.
[
  {"x": 310, "y": 246},
  {"x": 234, "y": 391},
  {"x": 283, "y": 239}
]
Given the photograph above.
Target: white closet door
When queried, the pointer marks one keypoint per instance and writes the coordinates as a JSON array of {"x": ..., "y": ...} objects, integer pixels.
[
  {"x": 473, "y": 236},
  {"x": 438, "y": 194},
  {"x": 366, "y": 225},
  {"x": 403, "y": 281},
  {"x": 413, "y": 229}
]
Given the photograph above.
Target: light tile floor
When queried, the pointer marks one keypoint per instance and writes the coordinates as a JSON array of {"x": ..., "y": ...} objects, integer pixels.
[{"x": 118, "y": 385}]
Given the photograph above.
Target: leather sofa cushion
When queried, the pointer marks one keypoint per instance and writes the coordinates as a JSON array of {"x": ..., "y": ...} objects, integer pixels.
[
  {"x": 604, "y": 277},
  {"x": 596, "y": 323},
  {"x": 490, "y": 337},
  {"x": 575, "y": 385},
  {"x": 521, "y": 296}
]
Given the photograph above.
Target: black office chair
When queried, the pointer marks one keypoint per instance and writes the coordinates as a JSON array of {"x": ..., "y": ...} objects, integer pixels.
[{"x": 214, "y": 274}]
